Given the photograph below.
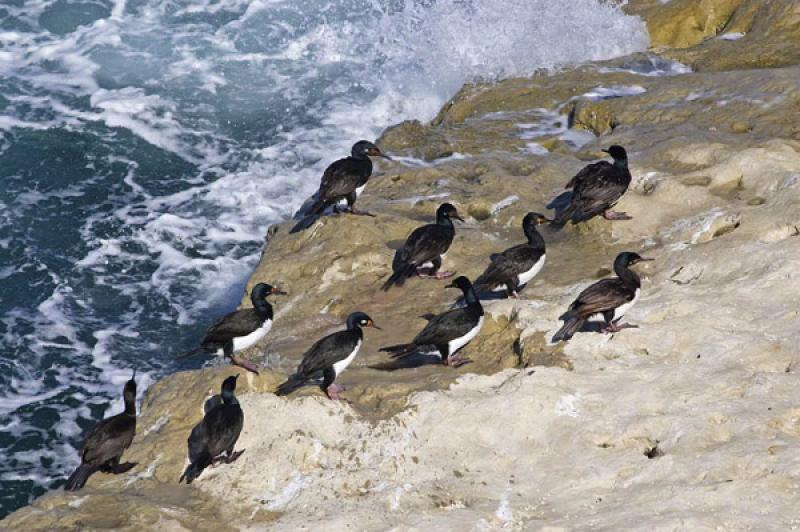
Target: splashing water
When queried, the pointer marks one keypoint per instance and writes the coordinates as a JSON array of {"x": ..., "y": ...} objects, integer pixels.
[{"x": 146, "y": 145}]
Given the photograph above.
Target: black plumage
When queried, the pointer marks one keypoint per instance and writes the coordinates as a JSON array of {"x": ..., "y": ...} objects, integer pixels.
[
  {"x": 217, "y": 434},
  {"x": 597, "y": 188},
  {"x": 240, "y": 329},
  {"x": 104, "y": 444},
  {"x": 610, "y": 298},
  {"x": 329, "y": 357},
  {"x": 447, "y": 332},
  {"x": 425, "y": 244},
  {"x": 341, "y": 181},
  {"x": 517, "y": 265}
]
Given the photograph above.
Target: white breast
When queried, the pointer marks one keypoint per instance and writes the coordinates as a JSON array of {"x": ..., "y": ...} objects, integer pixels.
[
  {"x": 243, "y": 342},
  {"x": 525, "y": 277},
  {"x": 458, "y": 343},
  {"x": 340, "y": 366},
  {"x": 360, "y": 189}
]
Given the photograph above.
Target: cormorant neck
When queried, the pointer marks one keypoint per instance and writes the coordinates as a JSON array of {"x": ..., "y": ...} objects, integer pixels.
[
  {"x": 534, "y": 238},
  {"x": 470, "y": 297},
  {"x": 444, "y": 220},
  {"x": 621, "y": 163},
  {"x": 628, "y": 276},
  {"x": 359, "y": 155},
  {"x": 228, "y": 397},
  {"x": 130, "y": 405},
  {"x": 263, "y": 307}
]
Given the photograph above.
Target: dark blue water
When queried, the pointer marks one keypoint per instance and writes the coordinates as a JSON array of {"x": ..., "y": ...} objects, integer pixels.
[{"x": 146, "y": 145}]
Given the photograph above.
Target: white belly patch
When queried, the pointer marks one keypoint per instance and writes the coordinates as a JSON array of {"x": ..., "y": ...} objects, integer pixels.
[
  {"x": 243, "y": 342},
  {"x": 525, "y": 277},
  {"x": 340, "y": 366},
  {"x": 458, "y": 343}
]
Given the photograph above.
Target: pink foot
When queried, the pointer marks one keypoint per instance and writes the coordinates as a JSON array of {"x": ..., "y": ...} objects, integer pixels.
[
  {"x": 614, "y": 327},
  {"x": 443, "y": 275},
  {"x": 361, "y": 213},
  {"x": 333, "y": 392},
  {"x": 612, "y": 215},
  {"x": 246, "y": 364},
  {"x": 455, "y": 361},
  {"x": 514, "y": 294}
]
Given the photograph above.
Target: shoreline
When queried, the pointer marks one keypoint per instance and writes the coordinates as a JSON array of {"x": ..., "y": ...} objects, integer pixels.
[{"x": 715, "y": 157}]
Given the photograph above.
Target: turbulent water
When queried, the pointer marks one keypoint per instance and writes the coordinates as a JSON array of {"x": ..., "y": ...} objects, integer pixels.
[{"x": 146, "y": 145}]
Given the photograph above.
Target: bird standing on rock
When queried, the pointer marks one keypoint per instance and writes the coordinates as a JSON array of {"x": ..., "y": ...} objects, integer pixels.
[
  {"x": 447, "y": 332},
  {"x": 104, "y": 444},
  {"x": 518, "y": 265},
  {"x": 597, "y": 188},
  {"x": 425, "y": 245},
  {"x": 344, "y": 179},
  {"x": 216, "y": 434},
  {"x": 608, "y": 299},
  {"x": 329, "y": 357},
  {"x": 240, "y": 329}
]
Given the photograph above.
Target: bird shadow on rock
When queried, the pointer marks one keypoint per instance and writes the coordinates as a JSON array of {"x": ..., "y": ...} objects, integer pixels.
[{"x": 414, "y": 360}]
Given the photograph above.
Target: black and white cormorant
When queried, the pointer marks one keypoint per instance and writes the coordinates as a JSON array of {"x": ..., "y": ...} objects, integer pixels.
[
  {"x": 329, "y": 357},
  {"x": 607, "y": 299},
  {"x": 240, "y": 329},
  {"x": 344, "y": 179},
  {"x": 447, "y": 332},
  {"x": 104, "y": 444},
  {"x": 216, "y": 434},
  {"x": 425, "y": 245},
  {"x": 597, "y": 188},
  {"x": 516, "y": 266}
]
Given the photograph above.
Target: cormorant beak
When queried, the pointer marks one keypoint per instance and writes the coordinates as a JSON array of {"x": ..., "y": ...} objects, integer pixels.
[
  {"x": 133, "y": 377},
  {"x": 457, "y": 217},
  {"x": 544, "y": 220},
  {"x": 278, "y": 292},
  {"x": 371, "y": 323},
  {"x": 645, "y": 259},
  {"x": 375, "y": 152},
  {"x": 605, "y": 150},
  {"x": 451, "y": 285}
]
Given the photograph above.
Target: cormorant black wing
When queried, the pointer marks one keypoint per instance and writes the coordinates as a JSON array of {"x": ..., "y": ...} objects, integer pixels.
[
  {"x": 427, "y": 243},
  {"x": 327, "y": 351},
  {"x": 343, "y": 177},
  {"x": 602, "y": 296},
  {"x": 108, "y": 439},
  {"x": 238, "y": 323},
  {"x": 447, "y": 326}
]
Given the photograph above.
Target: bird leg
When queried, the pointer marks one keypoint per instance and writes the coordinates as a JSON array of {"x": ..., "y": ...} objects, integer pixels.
[
  {"x": 246, "y": 364},
  {"x": 455, "y": 361},
  {"x": 614, "y": 327},
  {"x": 333, "y": 390},
  {"x": 613, "y": 215}
]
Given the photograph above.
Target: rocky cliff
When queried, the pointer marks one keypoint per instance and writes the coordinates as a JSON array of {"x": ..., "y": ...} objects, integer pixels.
[{"x": 691, "y": 422}]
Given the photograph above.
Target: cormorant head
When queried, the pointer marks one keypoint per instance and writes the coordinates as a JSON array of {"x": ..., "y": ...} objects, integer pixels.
[
  {"x": 629, "y": 258},
  {"x": 262, "y": 290},
  {"x": 618, "y": 153},
  {"x": 360, "y": 320},
  {"x": 365, "y": 148},
  {"x": 532, "y": 219},
  {"x": 129, "y": 394},
  {"x": 228, "y": 387},
  {"x": 460, "y": 282},
  {"x": 449, "y": 211}
]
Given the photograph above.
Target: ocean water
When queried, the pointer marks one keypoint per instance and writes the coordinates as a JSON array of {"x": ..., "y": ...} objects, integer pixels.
[{"x": 146, "y": 146}]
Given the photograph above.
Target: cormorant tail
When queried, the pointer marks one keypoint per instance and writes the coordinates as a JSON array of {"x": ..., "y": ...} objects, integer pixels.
[
  {"x": 79, "y": 477},
  {"x": 399, "y": 350},
  {"x": 194, "y": 469},
  {"x": 292, "y": 383},
  {"x": 399, "y": 277},
  {"x": 304, "y": 223},
  {"x": 572, "y": 324}
]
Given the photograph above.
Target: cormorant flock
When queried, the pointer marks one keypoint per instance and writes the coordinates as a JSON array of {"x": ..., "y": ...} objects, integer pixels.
[{"x": 595, "y": 191}]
